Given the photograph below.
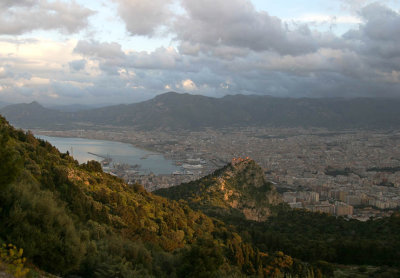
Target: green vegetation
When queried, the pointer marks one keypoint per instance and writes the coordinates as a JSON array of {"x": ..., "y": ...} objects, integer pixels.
[
  {"x": 236, "y": 190},
  {"x": 11, "y": 258},
  {"x": 73, "y": 219},
  {"x": 313, "y": 236},
  {"x": 330, "y": 171},
  {"x": 319, "y": 242}
]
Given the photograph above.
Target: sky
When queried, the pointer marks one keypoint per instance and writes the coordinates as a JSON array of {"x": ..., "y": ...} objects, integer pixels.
[{"x": 122, "y": 51}]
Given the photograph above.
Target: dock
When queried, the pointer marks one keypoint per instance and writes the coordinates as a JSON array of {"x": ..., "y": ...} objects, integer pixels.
[{"x": 106, "y": 159}]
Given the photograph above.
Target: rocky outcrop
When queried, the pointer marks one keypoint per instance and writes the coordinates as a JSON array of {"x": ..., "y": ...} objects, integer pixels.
[
  {"x": 244, "y": 188},
  {"x": 240, "y": 186}
]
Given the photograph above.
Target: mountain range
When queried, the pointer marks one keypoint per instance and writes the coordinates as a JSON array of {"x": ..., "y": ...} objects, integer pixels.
[{"x": 184, "y": 111}]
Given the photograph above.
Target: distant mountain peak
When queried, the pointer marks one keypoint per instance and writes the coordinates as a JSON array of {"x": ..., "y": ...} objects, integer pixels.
[
  {"x": 167, "y": 94},
  {"x": 35, "y": 103}
]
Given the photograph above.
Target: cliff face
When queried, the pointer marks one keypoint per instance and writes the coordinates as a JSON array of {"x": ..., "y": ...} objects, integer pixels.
[{"x": 240, "y": 187}]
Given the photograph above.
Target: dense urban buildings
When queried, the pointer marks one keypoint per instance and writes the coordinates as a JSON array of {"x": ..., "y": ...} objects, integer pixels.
[{"x": 355, "y": 173}]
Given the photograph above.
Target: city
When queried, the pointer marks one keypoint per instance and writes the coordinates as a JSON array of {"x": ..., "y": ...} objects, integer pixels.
[{"x": 352, "y": 173}]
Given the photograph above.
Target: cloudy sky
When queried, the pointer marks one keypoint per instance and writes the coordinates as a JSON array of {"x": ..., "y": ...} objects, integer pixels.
[{"x": 121, "y": 51}]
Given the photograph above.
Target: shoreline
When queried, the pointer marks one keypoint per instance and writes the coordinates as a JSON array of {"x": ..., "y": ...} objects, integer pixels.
[
  {"x": 90, "y": 136},
  {"x": 104, "y": 137}
]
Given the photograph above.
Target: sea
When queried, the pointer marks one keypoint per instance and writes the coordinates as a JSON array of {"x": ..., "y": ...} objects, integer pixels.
[{"x": 84, "y": 150}]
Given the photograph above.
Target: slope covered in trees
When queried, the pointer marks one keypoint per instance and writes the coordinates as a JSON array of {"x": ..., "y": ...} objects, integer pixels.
[
  {"x": 73, "y": 219},
  {"x": 239, "y": 189},
  {"x": 318, "y": 239}
]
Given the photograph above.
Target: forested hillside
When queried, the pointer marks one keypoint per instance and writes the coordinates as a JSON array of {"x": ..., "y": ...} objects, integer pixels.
[
  {"x": 70, "y": 219},
  {"x": 75, "y": 219},
  {"x": 238, "y": 189},
  {"x": 233, "y": 192}
]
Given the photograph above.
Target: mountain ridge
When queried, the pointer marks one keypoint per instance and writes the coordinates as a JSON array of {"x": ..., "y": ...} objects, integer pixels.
[{"x": 174, "y": 111}]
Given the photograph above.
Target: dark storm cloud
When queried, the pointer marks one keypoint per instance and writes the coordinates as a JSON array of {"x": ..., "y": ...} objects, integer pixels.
[{"x": 22, "y": 16}]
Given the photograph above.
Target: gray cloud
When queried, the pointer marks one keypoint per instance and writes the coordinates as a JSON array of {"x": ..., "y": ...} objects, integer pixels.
[
  {"x": 210, "y": 25},
  {"x": 22, "y": 16},
  {"x": 111, "y": 55},
  {"x": 377, "y": 42},
  {"x": 229, "y": 48},
  {"x": 5, "y": 4},
  {"x": 380, "y": 35},
  {"x": 144, "y": 17},
  {"x": 161, "y": 58},
  {"x": 100, "y": 50},
  {"x": 77, "y": 65},
  {"x": 214, "y": 23}
]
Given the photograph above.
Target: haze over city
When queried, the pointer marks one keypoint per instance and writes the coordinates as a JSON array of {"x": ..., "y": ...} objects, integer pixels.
[{"x": 120, "y": 51}]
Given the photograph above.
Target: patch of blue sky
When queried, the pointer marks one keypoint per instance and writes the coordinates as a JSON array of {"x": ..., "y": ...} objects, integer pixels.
[
  {"x": 107, "y": 26},
  {"x": 337, "y": 16}
]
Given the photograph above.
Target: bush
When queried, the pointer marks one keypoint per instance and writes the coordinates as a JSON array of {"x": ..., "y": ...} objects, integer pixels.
[{"x": 12, "y": 258}]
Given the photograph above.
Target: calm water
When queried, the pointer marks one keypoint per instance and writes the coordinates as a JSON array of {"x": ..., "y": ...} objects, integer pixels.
[{"x": 119, "y": 152}]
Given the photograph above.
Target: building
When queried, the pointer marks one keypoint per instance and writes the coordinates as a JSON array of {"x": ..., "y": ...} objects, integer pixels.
[{"x": 343, "y": 209}]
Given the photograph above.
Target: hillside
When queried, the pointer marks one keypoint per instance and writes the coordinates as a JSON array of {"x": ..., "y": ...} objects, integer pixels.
[
  {"x": 239, "y": 189},
  {"x": 239, "y": 196},
  {"x": 70, "y": 107},
  {"x": 73, "y": 219},
  {"x": 184, "y": 111}
]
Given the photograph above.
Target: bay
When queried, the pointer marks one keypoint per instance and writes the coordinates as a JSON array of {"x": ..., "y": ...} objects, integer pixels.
[{"x": 122, "y": 153}]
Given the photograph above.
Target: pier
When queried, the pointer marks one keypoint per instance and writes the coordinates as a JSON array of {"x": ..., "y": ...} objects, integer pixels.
[{"x": 106, "y": 159}]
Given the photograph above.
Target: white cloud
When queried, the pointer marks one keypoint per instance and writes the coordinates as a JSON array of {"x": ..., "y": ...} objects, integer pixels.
[{"x": 189, "y": 85}]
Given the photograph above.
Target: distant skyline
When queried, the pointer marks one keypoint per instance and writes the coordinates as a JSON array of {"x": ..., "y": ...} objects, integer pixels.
[{"x": 122, "y": 51}]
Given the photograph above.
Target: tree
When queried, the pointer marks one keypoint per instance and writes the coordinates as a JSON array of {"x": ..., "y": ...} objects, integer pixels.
[{"x": 9, "y": 162}]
